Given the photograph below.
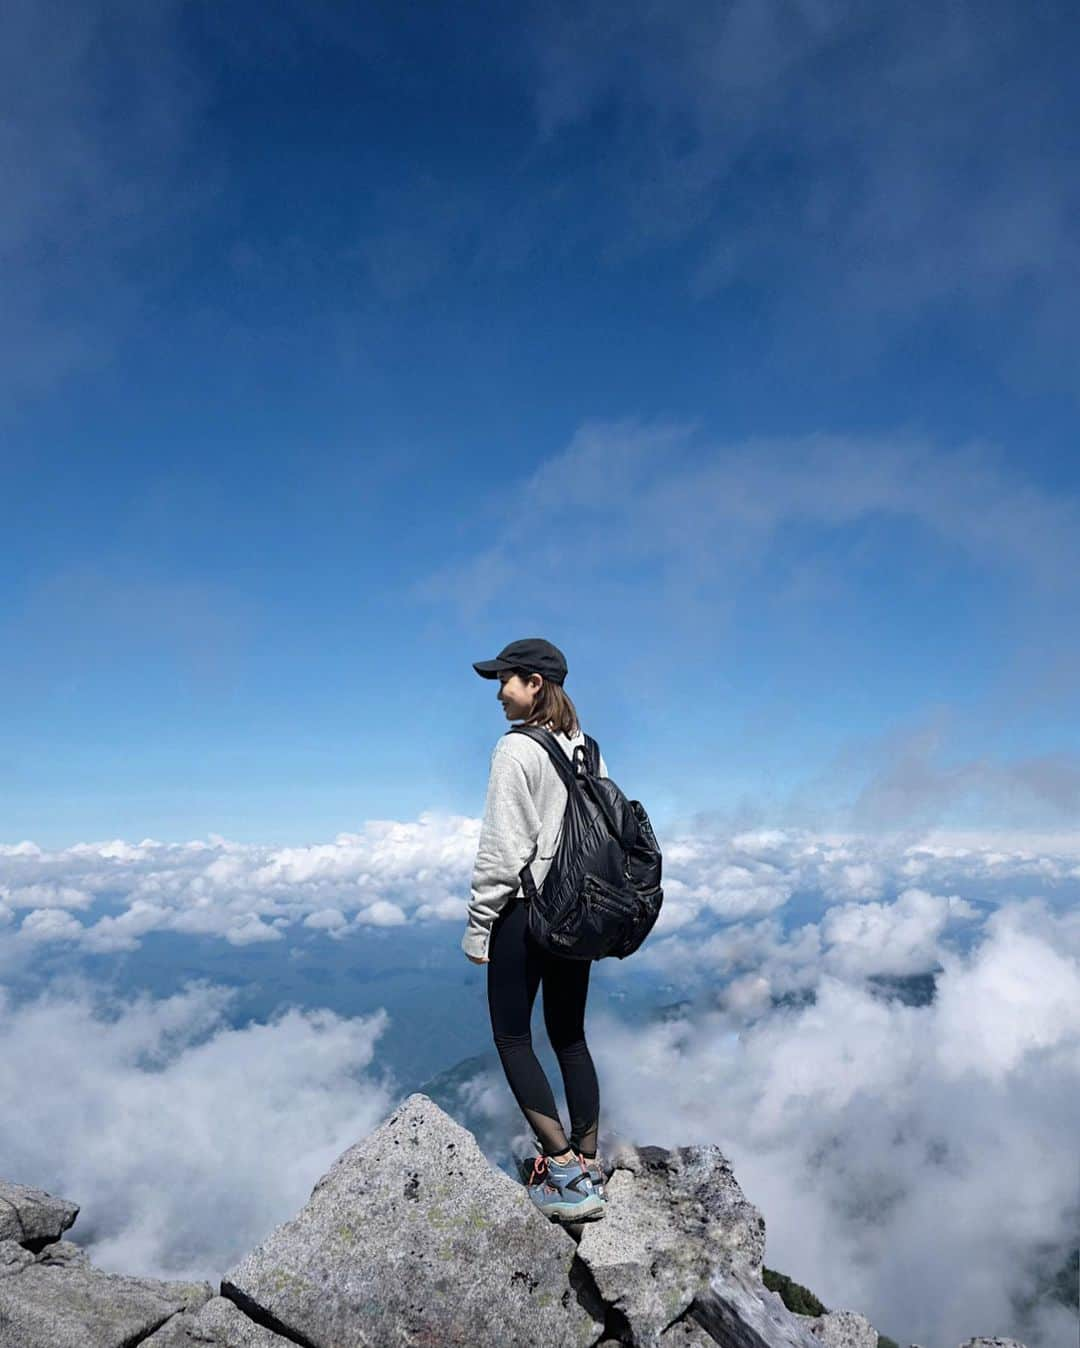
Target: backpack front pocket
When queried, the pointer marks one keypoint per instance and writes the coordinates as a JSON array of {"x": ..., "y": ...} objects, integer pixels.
[{"x": 610, "y": 914}]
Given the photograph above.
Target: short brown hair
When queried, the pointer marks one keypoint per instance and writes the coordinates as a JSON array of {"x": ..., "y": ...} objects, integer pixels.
[{"x": 552, "y": 705}]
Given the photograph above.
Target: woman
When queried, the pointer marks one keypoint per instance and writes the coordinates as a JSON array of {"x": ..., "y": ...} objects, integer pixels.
[{"x": 522, "y": 819}]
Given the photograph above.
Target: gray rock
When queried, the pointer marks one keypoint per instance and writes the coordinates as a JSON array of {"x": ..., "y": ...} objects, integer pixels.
[
  {"x": 63, "y": 1302},
  {"x": 739, "y": 1311},
  {"x": 64, "y": 1254},
  {"x": 844, "y": 1329},
  {"x": 219, "y": 1324},
  {"x": 673, "y": 1217},
  {"x": 411, "y": 1237},
  {"x": 991, "y": 1343},
  {"x": 13, "y": 1258},
  {"x": 51, "y": 1296},
  {"x": 31, "y": 1216}
]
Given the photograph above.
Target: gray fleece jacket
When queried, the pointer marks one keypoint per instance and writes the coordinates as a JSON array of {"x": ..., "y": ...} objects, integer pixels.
[{"x": 523, "y": 818}]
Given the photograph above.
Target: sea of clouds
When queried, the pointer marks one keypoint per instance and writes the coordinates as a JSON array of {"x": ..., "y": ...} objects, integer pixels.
[{"x": 916, "y": 1162}]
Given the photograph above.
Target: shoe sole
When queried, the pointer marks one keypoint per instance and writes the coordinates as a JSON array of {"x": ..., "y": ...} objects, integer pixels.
[
  {"x": 581, "y": 1211},
  {"x": 572, "y": 1212}
]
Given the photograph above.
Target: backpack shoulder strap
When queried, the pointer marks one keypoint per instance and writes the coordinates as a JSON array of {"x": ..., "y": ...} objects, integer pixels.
[{"x": 555, "y": 751}]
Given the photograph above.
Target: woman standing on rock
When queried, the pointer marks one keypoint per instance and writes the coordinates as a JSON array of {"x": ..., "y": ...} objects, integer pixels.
[{"x": 523, "y": 816}]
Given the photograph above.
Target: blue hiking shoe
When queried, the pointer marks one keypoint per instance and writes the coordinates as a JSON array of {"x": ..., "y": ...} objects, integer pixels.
[{"x": 564, "y": 1192}]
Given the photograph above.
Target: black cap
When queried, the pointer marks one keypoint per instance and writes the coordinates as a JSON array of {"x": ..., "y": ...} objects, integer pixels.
[{"x": 533, "y": 654}]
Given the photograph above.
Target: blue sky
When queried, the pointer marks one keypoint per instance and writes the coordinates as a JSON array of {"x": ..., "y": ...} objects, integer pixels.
[{"x": 730, "y": 348}]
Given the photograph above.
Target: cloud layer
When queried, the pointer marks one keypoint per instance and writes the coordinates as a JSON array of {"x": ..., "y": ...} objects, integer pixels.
[
  {"x": 106, "y": 896},
  {"x": 913, "y": 1161},
  {"x": 886, "y": 905}
]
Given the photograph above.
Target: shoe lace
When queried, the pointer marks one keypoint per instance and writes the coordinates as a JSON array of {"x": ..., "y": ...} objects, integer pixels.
[{"x": 541, "y": 1175}]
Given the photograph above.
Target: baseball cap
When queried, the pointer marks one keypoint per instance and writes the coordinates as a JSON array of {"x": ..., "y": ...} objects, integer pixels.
[{"x": 532, "y": 654}]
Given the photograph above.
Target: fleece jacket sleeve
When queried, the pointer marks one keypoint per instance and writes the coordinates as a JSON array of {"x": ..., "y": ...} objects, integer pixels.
[{"x": 508, "y": 837}]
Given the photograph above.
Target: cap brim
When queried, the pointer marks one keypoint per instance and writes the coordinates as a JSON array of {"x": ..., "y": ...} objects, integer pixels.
[{"x": 490, "y": 669}]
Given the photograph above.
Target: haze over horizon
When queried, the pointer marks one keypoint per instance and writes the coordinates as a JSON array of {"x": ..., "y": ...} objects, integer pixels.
[{"x": 730, "y": 347}]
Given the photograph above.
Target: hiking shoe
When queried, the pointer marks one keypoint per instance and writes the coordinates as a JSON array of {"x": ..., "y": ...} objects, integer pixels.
[
  {"x": 591, "y": 1166},
  {"x": 564, "y": 1193}
]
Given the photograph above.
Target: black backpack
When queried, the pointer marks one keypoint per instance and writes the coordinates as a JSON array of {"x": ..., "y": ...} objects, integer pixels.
[{"x": 602, "y": 895}]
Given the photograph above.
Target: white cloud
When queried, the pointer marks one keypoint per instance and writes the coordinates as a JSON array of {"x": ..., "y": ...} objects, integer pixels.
[
  {"x": 389, "y": 873},
  {"x": 382, "y": 914},
  {"x": 48, "y": 924},
  {"x": 250, "y": 930},
  {"x": 451, "y": 909},
  {"x": 1017, "y": 998},
  {"x": 46, "y": 896},
  {"x": 153, "y": 1113},
  {"x": 326, "y": 919},
  {"x": 896, "y": 938},
  {"x": 706, "y": 512},
  {"x": 875, "y": 905},
  {"x": 908, "y": 1160},
  {"x": 870, "y": 904}
]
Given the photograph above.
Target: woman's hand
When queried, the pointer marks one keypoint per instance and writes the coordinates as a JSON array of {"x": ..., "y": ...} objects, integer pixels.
[{"x": 475, "y": 958}]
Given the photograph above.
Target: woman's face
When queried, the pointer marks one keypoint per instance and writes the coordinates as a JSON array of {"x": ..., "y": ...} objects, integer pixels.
[{"x": 517, "y": 695}]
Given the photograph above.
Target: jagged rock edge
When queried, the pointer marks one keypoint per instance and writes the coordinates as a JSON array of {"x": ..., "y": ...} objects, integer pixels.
[
  {"x": 141, "y": 1338},
  {"x": 261, "y": 1316},
  {"x": 19, "y": 1219}
]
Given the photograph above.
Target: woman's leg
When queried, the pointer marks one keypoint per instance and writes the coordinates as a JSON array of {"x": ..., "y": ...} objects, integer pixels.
[
  {"x": 514, "y": 968},
  {"x": 566, "y": 989}
]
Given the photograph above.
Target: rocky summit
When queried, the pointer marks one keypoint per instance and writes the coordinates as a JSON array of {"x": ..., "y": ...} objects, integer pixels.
[{"x": 413, "y": 1238}]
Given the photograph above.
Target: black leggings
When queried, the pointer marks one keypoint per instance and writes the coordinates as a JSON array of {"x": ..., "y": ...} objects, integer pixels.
[{"x": 516, "y": 968}]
